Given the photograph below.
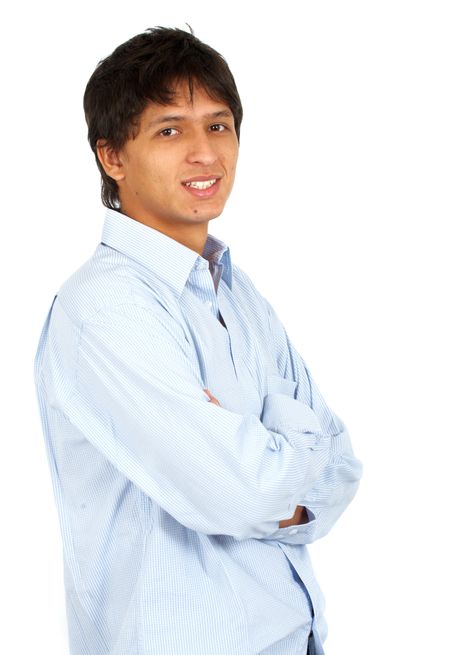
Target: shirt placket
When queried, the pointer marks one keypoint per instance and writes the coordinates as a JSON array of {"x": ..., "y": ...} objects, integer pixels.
[{"x": 205, "y": 280}]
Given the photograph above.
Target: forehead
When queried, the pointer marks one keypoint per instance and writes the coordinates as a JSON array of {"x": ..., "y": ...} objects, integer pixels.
[
  {"x": 186, "y": 94},
  {"x": 184, "y": 103}
]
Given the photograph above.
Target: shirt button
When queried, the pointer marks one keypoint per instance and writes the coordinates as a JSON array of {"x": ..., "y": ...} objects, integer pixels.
[{"x": 293, "y": 531}]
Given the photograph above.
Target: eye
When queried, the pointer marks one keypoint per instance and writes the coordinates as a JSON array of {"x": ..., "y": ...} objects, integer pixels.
[
  {"x": 168, "y": 131},
  {"x": 218, "y": 127}
]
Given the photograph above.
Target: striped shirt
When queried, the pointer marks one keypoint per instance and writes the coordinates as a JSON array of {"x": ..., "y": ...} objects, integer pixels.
[{"x": 169, "y": 505}]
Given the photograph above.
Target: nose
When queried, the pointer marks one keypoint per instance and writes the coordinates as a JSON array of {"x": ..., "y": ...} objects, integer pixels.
[{"x": 201, "y": 150}]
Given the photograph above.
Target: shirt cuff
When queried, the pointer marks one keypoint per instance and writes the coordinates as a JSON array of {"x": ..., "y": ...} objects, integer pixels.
[{"x": 297, "y": 534}]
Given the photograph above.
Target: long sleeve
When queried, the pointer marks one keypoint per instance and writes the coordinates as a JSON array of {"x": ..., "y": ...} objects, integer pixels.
[
  {"x": 169, "y": 505},
  {"x": 287, "y": 401},
  {"x": 138, "y": 396}
]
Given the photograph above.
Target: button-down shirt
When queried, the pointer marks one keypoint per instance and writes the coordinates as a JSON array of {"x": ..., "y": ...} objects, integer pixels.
[{"x": 169, "y": 504}]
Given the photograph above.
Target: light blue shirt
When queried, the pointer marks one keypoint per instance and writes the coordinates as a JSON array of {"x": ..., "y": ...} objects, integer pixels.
[{"x": 169, "y": 505}]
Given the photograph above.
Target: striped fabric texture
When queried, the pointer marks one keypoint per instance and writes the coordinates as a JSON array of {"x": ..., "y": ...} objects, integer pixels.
[{"x": 169, "y": 504}]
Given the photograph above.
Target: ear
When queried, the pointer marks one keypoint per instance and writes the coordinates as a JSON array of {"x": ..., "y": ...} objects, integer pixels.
[{"x": 110, "y": 160}]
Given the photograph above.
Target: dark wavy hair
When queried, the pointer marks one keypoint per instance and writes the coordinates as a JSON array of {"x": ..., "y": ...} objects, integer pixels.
[{"x": 145, "y": 69}]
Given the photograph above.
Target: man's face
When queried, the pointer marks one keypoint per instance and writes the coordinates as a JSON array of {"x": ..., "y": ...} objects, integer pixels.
[{"x": 180, "y": 168}]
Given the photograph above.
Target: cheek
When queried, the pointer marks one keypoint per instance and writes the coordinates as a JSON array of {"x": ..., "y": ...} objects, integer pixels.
[
  {"x": 232, "y": 156},
  {"x": 162, "y": 170},
  {"x": 150, "y": 175},
  {"x": 232, "y": 166}
]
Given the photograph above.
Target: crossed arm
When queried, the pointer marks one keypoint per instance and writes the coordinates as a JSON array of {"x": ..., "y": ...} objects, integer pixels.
[
  {"x": 146, "y": 411},
  {"x": 300, "y": 515}
]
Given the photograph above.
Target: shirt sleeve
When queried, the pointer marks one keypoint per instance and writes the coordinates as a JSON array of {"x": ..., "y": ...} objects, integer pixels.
[
  {"x": 338, "y": 482},
  {"x": 138, "y": 398}
]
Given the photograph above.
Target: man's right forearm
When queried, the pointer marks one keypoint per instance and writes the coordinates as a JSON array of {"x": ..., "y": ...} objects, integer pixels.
[{"x": 301, "y": 515}]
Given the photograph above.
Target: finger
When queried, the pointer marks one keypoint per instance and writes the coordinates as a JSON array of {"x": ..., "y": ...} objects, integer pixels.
[{"x": 212, "y": 398}]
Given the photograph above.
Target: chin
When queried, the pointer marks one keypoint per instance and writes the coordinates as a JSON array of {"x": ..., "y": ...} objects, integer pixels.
[{"x": 205, "y": 214}]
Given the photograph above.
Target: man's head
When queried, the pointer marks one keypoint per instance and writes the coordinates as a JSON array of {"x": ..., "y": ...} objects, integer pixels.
[{"x": 163, "y": 108}]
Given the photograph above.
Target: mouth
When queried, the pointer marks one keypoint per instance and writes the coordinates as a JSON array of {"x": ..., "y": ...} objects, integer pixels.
[{"x": 202, "y": 187}]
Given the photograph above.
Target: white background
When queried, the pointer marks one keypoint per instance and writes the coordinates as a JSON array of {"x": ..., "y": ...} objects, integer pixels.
[{"x": 344, "y": 178}]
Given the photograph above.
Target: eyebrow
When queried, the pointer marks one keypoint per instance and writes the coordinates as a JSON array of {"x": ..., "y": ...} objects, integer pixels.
[{"x": 170, "y": 118}]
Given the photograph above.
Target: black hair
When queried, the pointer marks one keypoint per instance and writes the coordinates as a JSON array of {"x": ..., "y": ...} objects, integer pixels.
[{"x": 145, "y": 69}]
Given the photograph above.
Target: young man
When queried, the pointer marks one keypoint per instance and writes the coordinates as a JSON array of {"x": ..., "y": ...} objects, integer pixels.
[{"x": 192, "y": 455}]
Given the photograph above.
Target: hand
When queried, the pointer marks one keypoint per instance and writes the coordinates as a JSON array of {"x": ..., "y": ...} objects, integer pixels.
[
  {"x": 212, "y": 399},
  {"x": 300, "y": 516}
]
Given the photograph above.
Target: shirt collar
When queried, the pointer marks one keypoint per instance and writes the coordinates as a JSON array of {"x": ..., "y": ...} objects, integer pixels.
[{"x": 170, "y": 260}]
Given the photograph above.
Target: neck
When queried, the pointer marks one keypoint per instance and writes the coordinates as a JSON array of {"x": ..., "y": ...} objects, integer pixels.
[{"x": 191, "y": 236}]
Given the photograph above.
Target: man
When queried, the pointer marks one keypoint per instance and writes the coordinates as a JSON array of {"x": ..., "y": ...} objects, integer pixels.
[{"x": 192, "y": 454}]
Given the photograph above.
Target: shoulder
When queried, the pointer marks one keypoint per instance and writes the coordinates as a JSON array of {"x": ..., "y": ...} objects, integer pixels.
[
  {"x": 107, "y": 281},
  {"x": 245, "y": 287},
  {"x": 263, "y": 315},
  {"x": 256, "y": 303}
]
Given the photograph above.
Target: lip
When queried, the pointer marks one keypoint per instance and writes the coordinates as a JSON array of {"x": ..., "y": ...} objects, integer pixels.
[
  {"x": 201, "y": 178},
  {"x": 203, "y": 193}
]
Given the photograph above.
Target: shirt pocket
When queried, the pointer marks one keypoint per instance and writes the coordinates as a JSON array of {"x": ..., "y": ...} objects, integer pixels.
[{"x": 278, "y": 384}]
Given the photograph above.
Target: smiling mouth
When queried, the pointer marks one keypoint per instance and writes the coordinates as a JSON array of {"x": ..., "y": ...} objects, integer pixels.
[
  {"x": 203, "y": 189},
  {"x": 201, "y": 184}
]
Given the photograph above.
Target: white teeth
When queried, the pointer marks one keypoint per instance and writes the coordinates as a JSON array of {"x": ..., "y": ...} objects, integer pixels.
[{"x": 201, "y": 185}]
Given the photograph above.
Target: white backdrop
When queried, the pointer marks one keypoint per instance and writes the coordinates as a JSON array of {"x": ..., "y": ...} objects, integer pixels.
[{"x": 344, "y": 174}]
